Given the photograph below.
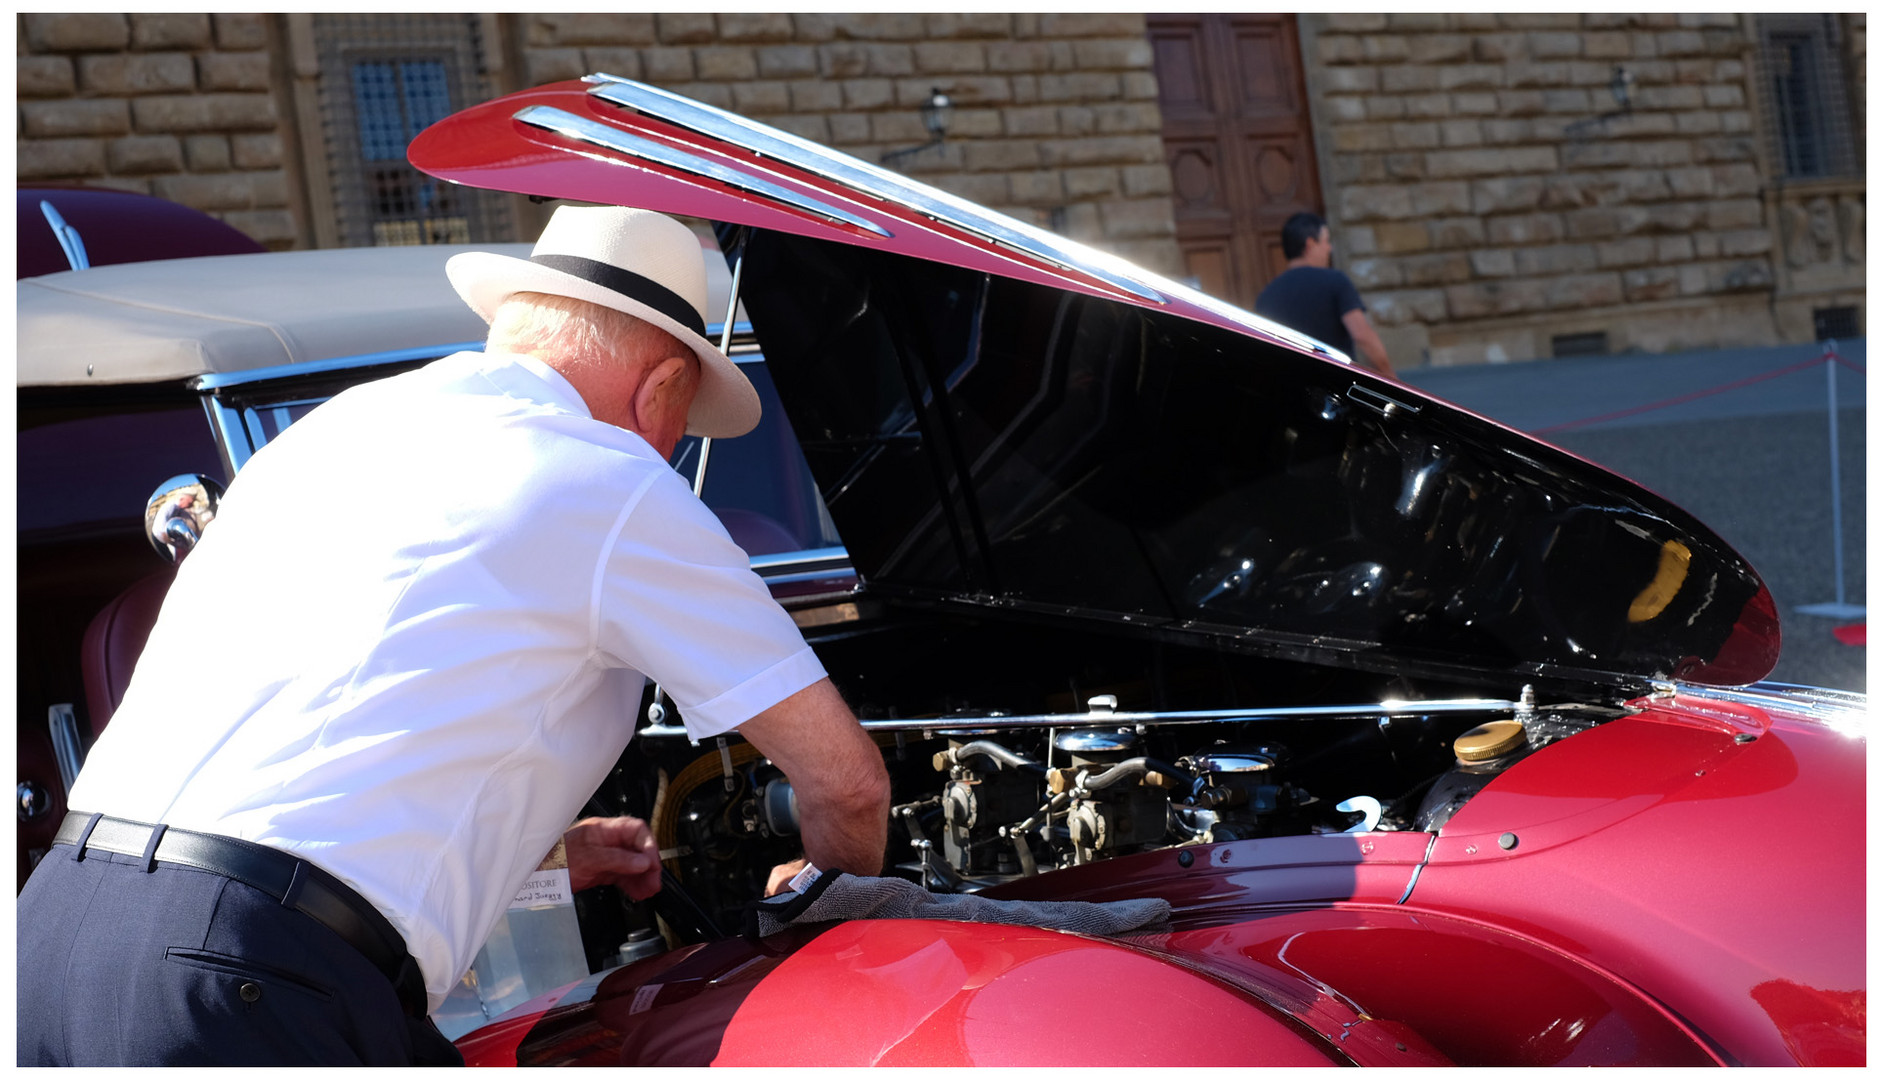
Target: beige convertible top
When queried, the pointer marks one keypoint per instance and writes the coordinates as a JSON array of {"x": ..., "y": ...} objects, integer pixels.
[{"x": 178, "y": 318}]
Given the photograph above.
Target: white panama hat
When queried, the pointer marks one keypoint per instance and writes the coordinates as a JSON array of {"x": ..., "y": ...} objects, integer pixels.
[{"x": 635, "y": 261}]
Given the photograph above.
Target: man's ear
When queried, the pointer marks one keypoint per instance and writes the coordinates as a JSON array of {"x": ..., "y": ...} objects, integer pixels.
[{"x": 663, "y": 394}]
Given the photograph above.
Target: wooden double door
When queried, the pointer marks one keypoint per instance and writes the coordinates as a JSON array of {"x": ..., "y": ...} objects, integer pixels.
[{"x": 1238, "y": 140}]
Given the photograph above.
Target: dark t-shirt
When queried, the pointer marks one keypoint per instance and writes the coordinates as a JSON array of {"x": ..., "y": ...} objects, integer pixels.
[{"x": 1312, "y": 300}]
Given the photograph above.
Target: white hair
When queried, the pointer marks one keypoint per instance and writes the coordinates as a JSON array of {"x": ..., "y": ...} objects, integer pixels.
[{"x": 532, "y": 322}]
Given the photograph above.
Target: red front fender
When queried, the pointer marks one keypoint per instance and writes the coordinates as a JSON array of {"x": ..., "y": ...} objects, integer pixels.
[{"x": 932, "y": 993}]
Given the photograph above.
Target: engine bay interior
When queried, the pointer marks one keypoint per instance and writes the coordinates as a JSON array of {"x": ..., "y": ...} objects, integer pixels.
[{"x": 1072, "y": 747}]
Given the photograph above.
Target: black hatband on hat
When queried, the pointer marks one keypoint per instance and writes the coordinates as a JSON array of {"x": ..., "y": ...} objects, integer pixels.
[{"x": 629, "y": 284}]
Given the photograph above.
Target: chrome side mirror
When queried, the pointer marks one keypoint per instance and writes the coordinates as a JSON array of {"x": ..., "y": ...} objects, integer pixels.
[{"x": 178, "y": 512}]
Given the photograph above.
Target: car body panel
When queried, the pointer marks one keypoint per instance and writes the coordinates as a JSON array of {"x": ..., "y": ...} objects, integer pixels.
[
  {"x": 924, "y": 992},
  {"x": 501, "y": 144},
  {"x": 1476, "y": 994},
  {"x": 1048, "y": 452},
  {"x": 1280, "y": 985},
  {"x": 1629, "y": 845},
  {"x": 1007, "y": 424},
  {"x": 1595, "y": 825},
  {"x": 115, "y": 227}
]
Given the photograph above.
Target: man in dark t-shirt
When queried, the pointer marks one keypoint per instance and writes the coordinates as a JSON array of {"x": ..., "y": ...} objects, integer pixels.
[{"x": 1317, "y": 300}]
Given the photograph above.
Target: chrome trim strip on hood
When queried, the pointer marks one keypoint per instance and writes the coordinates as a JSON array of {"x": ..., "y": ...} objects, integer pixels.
[
  {"x": 1845, "y": 710},
  {"x": 593, "y": 133},
  {"x": 1102, "y": 718},
  {"x": 844, "y": 169}
]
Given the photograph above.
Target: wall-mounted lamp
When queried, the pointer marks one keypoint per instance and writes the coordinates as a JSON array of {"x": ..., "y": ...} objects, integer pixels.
[
  {"x": 1622, "y": 86},
  {"x": 936, "y": 112}
]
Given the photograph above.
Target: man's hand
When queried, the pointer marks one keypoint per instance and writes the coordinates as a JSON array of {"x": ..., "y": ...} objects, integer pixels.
[
  {"x": 617, "y": 851},
  {"x": 782, "y": 874},
  {"x": 836, "y": 772}
]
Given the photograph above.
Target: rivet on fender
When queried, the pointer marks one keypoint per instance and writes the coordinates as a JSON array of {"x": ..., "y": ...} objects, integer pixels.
[
  {"x": 1184, "y": 859},
  {"x": 1744, "y": 737},
  {"x": 1508, "y": 841}
]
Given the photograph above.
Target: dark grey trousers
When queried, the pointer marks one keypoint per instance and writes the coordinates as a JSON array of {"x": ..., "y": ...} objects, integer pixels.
[{"x": 178, "y": 966}]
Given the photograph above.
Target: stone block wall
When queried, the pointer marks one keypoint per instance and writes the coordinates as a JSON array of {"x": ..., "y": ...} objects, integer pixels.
[
  {"x": 1055, "y": 119},
  {"x": 177, "y": 106},
  {"x": 1489, "y": 193}
]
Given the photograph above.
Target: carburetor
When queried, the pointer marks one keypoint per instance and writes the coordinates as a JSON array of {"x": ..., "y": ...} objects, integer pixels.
[
  {"x": 1234, "y": 790},
  {"x": 989, "y": 787},
  {"x": 1116, "y": 802}
]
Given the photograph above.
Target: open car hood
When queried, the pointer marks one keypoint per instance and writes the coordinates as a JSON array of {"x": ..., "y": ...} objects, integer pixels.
[{"x": 1001, "y": 418}]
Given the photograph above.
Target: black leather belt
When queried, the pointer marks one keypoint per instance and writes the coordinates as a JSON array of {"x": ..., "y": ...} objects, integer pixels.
[{"x": 296, "y": 883}]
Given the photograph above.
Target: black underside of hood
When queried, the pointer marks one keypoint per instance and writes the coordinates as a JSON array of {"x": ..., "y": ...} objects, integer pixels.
[{"x": 997, "y": 443}]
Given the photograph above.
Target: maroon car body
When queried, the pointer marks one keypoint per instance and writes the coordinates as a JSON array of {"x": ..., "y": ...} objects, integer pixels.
[
  {"x": 1058, "y": 477},
  {"x": 114, "y": 227}
]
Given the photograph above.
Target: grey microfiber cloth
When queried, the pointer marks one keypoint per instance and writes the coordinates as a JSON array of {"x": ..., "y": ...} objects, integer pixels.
[{"x": 837, "y": 896}]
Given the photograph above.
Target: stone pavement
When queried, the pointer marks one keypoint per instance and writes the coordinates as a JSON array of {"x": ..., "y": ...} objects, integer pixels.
[{"x": 1752, "y": 462}]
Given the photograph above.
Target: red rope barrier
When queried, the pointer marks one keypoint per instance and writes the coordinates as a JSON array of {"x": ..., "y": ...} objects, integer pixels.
[{"x": 1694, "y": 396}]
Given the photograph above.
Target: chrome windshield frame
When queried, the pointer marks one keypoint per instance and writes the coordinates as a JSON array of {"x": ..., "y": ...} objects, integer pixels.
[{"x": 235, "y": 437}]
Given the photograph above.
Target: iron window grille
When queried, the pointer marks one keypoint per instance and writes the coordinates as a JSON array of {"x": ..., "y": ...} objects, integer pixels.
[
  {"x": 385, "y": 78},
  {"x": 1805, "y": 93},
  {"x": 1835, "y": 323}
]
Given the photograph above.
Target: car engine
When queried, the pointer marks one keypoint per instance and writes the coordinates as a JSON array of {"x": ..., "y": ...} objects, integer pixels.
[{"x": 980, "y": 801}]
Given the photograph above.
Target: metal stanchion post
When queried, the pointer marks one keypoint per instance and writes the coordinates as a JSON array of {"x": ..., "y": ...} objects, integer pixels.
[{"x": 1837, "y": 609}]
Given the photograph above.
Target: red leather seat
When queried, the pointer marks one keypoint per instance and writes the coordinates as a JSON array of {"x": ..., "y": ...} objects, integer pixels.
[{"x": 114, "y": 640}]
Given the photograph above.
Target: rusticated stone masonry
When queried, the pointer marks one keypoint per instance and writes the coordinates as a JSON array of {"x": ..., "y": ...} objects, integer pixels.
[
  {"x": 1056, "y": 116},
  {"x": 1489, "y": 192},
  {"x": 1055, "y": 121},
  {"x": 177, "y": 106}
]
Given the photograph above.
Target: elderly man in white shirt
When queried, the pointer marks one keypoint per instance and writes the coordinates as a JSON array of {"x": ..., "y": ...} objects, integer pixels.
[{"x": 295, "y": 858}]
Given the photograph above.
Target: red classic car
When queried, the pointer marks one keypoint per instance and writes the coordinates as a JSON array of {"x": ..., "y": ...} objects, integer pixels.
[{"x": 1443, "y": 745}]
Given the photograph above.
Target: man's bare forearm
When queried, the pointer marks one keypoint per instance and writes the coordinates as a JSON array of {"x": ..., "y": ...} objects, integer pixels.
[
  {"x": 1368, "y": 342},
  {"x": 836, "y": 772},
  {"x": 845, "y": 834}
]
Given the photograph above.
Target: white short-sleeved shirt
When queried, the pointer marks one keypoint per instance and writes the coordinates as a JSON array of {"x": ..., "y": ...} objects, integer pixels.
[{"x": 415, "y": 639}]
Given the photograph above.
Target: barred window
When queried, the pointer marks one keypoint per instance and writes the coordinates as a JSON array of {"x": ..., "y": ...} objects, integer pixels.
[
  {"x": 384, "y": 79},
  {"x": 1806, "y": 96}
]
